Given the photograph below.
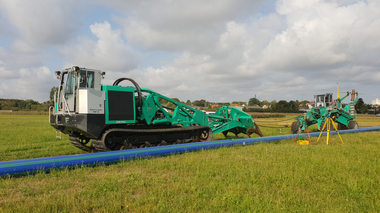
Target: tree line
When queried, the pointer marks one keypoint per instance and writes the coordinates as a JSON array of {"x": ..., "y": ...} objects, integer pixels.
[
  {"x": 28, "y": 104},
  {"x": 24, "y": 105},
  {"x": 272, "y": 106}
]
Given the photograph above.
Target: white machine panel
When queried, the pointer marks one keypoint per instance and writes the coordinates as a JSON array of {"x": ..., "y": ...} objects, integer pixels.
[{"x": 91, "y": 101}]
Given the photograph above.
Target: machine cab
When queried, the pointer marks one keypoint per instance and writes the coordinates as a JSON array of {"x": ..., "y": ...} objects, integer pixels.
[
  {"x": 76, "y": 91},
  {"x": 324, "y": 100}
]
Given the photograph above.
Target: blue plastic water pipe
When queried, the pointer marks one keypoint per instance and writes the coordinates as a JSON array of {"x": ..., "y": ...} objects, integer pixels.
[{"x": 32, "y": 165}]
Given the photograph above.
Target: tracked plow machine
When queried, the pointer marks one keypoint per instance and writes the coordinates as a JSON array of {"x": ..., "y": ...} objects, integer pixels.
[
  {"x": 325, "y": 107},
  {"x": 113, "y": 117}
]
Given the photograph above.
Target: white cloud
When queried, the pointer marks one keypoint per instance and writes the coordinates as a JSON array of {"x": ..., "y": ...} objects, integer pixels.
[
  {"x": 323, "y": 34},
  {"x": 7, "y": 74},
  {"x": 41, "y": 23},
  {"x": 109, "y": 52},
  {"x": 29, "y": 84},
  {"x": 175, "y": 25},
  {"x": 305, "y": 43},
  {"x": 182, "y": 87},
  {"x": 215, "y": 50}
]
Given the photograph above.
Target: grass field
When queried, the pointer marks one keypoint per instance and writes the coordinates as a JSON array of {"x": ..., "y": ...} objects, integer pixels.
[{"x": 270, "y": 177}]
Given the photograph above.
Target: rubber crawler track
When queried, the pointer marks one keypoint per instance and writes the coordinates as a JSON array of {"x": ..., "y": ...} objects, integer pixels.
[
  {"x": 77, "y": 142},
  {"x": 129, "y": 138}
]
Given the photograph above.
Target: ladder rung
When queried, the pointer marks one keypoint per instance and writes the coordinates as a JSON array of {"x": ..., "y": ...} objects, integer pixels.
[{"x": 58, "y": 136}]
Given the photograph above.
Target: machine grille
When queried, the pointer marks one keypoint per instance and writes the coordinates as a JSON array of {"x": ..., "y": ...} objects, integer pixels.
[{"x": 120, "y": 105}]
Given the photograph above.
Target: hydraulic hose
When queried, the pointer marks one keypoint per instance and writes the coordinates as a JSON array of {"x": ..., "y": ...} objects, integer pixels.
[{"x": 117, "y": 82}]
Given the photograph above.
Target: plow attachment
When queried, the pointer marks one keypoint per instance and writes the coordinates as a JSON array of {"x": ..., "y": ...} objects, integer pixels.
[{"x": 231, "y": 119}]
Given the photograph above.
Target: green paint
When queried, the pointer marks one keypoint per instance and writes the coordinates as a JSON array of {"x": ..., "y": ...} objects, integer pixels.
[
  {"x": 120, "y": 89},
  {"x": 318, "y": 115}
]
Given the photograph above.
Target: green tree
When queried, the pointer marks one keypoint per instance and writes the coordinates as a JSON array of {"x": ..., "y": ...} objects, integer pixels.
[
  {"x": 240, "y": 103},
  {"x": 294, "y": 106},
  {"x": 169, "y": 104},
  {"x": 264, "y": 102},
  {"x": 304, "y": 103},
  {"x": 176, "y": 99},
  {"x": 253, "y": 102},
  {"x": 52, "y": 92},
  {"x": 273, "y": 104},
  {"x": 282, "y": 106},
  {"x": 201, "y": 103},
  {"x": 360, "y": 106}
]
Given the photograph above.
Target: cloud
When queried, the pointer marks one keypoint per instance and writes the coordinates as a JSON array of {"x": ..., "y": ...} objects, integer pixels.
[
  {"x": 215, "y": 50},
  {"x": 23, "y": 76},
  {"x": 285, "y": 51},
  {"x": 178, "y": 25},
  {"x": 109, "y": 52},
  {"x": 41, "y": 23},
  {"x": 7, "y": 74},
  {"x": 27, "y": 83},
  {"x": 182, "y": 87},
  {"x": 322, "y": 35}
]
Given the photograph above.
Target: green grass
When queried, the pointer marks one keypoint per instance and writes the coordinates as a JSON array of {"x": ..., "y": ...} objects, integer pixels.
[
  {"x": 270, "y": 177},
  {"x": 31, "y": 136}
]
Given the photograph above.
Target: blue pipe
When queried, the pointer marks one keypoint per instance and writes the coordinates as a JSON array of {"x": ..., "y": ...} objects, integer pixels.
[{"x": 32, "y": 165}]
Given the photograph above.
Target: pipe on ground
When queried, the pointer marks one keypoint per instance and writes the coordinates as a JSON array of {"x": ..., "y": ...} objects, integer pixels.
[{"x": 32, "y": 165}]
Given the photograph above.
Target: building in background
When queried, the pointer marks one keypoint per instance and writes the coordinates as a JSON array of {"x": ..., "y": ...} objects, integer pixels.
[{"x": 376, "y": 102}]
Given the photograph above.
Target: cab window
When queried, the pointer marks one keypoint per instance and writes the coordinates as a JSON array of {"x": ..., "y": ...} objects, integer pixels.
[
  {"x": 69, "y": 87},
  {"x": 86, "y": 79}
]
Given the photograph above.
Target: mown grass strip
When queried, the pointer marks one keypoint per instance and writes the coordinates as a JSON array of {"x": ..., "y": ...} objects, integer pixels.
[{"x": 268, "y": 177}]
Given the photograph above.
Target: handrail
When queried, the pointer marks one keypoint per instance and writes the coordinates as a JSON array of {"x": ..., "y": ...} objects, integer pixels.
[
  {"x": 67, "y": 107},
  {"x": 50, "y": 113}
]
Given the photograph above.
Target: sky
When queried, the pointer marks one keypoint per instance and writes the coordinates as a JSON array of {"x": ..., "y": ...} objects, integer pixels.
[{"x": 217, "y": 50}]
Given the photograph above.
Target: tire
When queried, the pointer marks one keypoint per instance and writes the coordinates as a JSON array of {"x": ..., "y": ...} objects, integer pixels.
[
  {"x": 341, "y": 126},
  {"x": 353, "y": 125},
  {"x": 321, "y": 126},
  {"x": 295, "y": 126}
]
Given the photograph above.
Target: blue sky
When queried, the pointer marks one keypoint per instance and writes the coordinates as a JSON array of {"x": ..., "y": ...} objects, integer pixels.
[{"x": 218, "y": 50}]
